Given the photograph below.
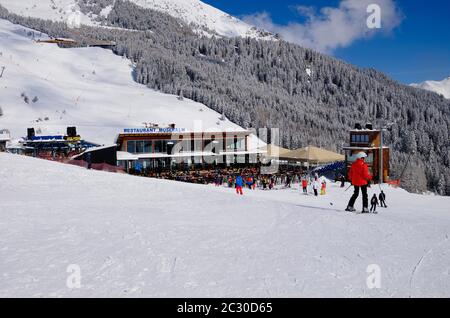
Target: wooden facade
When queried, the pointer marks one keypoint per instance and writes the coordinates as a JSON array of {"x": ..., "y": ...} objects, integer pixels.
[{"x": 369, "y": 141}]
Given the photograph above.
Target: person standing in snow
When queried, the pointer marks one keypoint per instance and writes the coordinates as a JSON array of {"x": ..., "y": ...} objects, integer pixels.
[
  {"x": 342, "y": 179},
  {"x": 305, "y": 186},
  {"x": 359, "y": 176},
  {"x": 288, "y": 181},
  {"x": 239, "y": 184},
  {"x": 316, "y": 185},
  {"x": 264, "y": 183},
  {"x": 271, "y": 183},
  {"x": 323, "y": 190},
  {"x": 374, "y": 203},
  {"x": 382, "y": 198},
  {"x": 249, "y": 182}
]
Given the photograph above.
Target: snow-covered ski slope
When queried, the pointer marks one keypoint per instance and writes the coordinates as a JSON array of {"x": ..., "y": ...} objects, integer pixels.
[
  {"x": 203, "y": 16},
  {"x": 54, "y": 10},
  {"x": 140, "y": 237},
  {"x": 90, "y": 88},
  {"x": 440, "y": 87}
]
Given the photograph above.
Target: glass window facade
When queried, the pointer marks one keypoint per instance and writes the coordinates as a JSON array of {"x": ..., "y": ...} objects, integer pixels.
[
  {"x": 160, "y": 146},
  {"x": 236, "y": 144},
  {"x": 139, "y": 146},
  {"x": 148, "y": 147},
  {"x": 360, "y": 138},
  {"x": 240, "y": 144},
  {"x": 131, "y": 146},
  {"x": 184, "y": 146}
]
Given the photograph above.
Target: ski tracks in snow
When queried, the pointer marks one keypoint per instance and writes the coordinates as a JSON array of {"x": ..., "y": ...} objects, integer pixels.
[{"x": 419, "y": 264}]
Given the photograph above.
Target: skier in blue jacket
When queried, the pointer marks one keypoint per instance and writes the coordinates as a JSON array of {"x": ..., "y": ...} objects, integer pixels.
[{"x": 239, "y": 184}]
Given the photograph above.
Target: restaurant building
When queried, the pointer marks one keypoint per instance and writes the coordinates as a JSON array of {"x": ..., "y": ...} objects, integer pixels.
[{"x": 178, "y": 148}]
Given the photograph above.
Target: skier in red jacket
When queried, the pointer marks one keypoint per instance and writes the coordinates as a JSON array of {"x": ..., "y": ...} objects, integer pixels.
[{"x": 359, "y": 176}]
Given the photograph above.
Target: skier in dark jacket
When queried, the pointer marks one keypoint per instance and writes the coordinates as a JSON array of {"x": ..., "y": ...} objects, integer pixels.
[
  {"x": 342, "y": 179},
  {"x": 382, "y": 198},
  {"x": 359, "y": 176},
  {"x": 288, "y": 181},
  {"x": 374, "y": 203}
]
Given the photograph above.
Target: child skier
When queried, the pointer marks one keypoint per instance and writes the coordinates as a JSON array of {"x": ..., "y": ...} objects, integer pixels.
[
  {"x": 359, "y": 176},
  {"x": 342, "y": 179},
  {"x": 323, "y": 190},
  {"x": 374, "y": 203}
]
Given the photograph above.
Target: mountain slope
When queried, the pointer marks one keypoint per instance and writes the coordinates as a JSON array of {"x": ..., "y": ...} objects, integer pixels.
[
  {"x": 141, "y": 237},
  {"x": 204, "y": 18},
  {"x": 88, "y": 87},
  {"x": 312, "y": 98},
  {"x": 54, "y": 10},
  {"x": 439, "y": 87}
]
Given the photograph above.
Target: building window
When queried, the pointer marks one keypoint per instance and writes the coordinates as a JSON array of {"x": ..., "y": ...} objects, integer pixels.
[
  {"x": 160, "y": 146},
  {"x": 236, "y": 144},
  {"x": 360, "y": 138},
  {"x": 240, "y": 144},
  {"x": 131, "y": 146},
  {"x": 147, "y": 147},
  {"x": 139, "y": 147}
]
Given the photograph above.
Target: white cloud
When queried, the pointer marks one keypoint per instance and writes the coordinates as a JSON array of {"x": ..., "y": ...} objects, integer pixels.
[{"x": 330, "y": 27}]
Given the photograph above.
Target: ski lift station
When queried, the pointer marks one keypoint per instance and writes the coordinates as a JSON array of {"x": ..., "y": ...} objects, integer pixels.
[
  {"x": 370, "y": 141},
  {"x": 54, "y": 147}
]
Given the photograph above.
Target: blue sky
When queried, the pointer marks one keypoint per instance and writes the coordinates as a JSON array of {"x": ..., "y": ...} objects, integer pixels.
[{"x": 415, "y": 48}]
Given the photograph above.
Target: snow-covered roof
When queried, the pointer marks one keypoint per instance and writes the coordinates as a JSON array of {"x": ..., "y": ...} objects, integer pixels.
[
  {"x": 99, "y": 148},
  {"x": 93, "y": 149}
]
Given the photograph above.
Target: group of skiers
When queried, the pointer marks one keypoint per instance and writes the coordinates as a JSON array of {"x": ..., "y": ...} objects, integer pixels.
[
  {"x": 251, "y": 180},
  {"x": 374, "y": 202},
  {"x": 316, "y": 184},
  {"x": 358, "y": 175}
]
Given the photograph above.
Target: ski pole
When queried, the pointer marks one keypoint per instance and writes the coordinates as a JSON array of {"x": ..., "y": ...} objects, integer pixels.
[{"x": 348, "y": 188}]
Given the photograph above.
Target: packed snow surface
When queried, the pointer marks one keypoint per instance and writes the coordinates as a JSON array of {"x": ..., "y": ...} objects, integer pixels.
[
  {"x": 90, "y": 88},
  {"x": 440, "y": 87},
  {"x": 140, "y": 237}
]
